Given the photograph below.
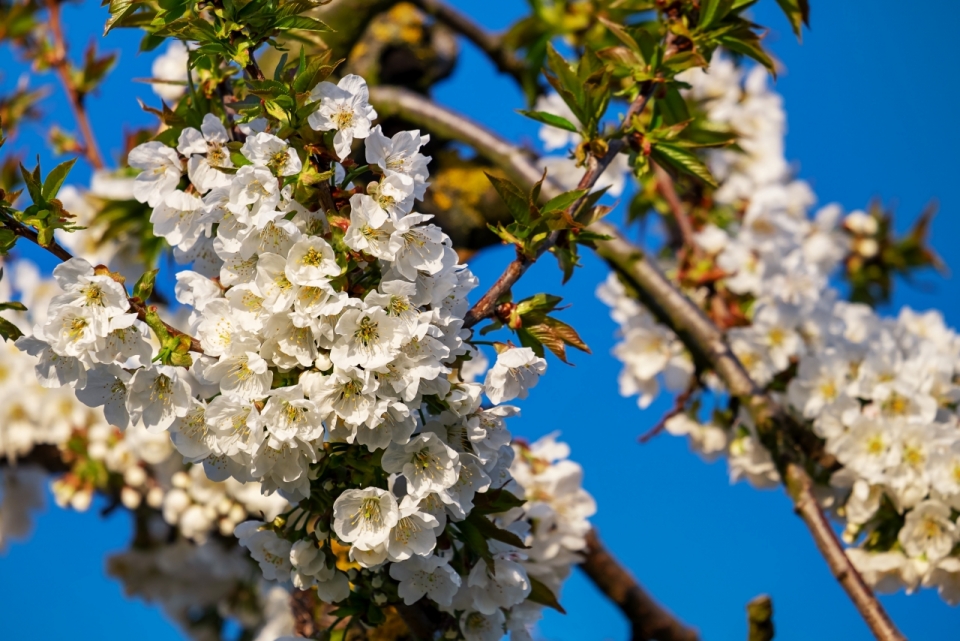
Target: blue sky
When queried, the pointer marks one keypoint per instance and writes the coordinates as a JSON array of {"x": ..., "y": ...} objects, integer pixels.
[{"x": 869, "y": 98}]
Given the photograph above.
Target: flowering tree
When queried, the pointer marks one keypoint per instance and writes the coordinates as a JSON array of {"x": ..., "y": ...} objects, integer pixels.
[{"x": 305, "y": 428}]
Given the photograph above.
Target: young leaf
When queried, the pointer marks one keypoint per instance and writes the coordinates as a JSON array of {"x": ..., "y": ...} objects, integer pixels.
[
  {"x": 539, "y": 593},
  {"x": 746, "y": 42},
  {"x": 564, "y": 200},
  {"x": 9, "y": 331},
  {"x": 513, "y": 198},
  {"x": 51, "y": 186},
  {"x": 303, "y": 23},
  {"x": 490, "y": 531},
  {"x": 713, "y": 11},
  {"x": 495, "y": 501},
  {"x": 798, "y": 13},
  {"x": 683, "y": 160},
  {"x": 144, "y": 287},
  {"x": 549, "y": 119}
]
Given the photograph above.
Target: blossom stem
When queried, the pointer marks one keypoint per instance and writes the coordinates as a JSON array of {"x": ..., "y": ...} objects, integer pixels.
[
  {"x": 700, "y": 335},
  {"x": 75, "y": 98},
  {"x": 678, "y": 406}
]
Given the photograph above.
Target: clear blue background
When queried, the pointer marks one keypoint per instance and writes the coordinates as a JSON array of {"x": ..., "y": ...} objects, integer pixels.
[{"x": 870, "y": 96}]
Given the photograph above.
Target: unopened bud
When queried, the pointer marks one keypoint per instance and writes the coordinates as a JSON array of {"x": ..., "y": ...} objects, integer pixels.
[{"x": 130, "y": 498}]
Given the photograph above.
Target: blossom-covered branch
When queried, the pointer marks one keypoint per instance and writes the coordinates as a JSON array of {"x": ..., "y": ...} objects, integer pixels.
[
  {"x": 700, "y": 335},
  {"x": 703, "y": 338}
]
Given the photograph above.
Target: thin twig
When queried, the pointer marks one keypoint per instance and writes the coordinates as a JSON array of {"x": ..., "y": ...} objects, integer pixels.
[
  {"x": 698, "y": 333},
  {"x": 647, "y": 618},
  {"x": 669, "y": 192},
  {"x": 492, "y": 46},
  {"x": 23, "y": 231},
  {"x": 253, "y": 69},
  {"x": 679, "y": 405},
  {"x": 486, "y": 306},
  {"x": 62, "y": 66}
]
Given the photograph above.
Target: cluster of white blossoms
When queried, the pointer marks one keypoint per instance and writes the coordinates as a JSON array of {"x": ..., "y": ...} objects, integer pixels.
[
  {"x": 328, "y": 372},
  {"x": 200, "y": 586},
  {"x": 881, "y": 393}
]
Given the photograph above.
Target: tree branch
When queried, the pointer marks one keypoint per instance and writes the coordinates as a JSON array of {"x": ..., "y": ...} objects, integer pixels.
[
  {"x": 669, "y": 192},
  {"x": 62, "y": 66},
  {"x": 647, "y": 618},
  {"x": 599, "y": 565},
  {"x": 492, "y": 46},
  {"x": 760, "y": 619},
  {"x": 774, "y": 427},
  {"x": 58, "y": 250},
  {"x": 778, "y": 431},
  {"x": 484, "y": 308}
]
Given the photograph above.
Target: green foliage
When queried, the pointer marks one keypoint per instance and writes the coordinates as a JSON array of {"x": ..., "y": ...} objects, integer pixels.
[
  {"x": 9, "y": 331},
  {"x": 583, "y": 86},
  {"x": 875, "y": 260},
  {"x": 144, "y": 287},
  {"x": 46, "y": 214},
  {"x": 540, "y": 593},
  {"x": 549, "y": 119},
  {"x": 228, "y": 31}
]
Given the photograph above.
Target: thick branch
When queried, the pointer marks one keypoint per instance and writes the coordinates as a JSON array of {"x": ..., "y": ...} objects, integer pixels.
[
  {"x": 62, "y": 66},
  {"x": 647, "y": 618},
  {"x": 449, "y": 125},
  {"x": 698, "y": 333},
  {"x": 492, "y": 46}
]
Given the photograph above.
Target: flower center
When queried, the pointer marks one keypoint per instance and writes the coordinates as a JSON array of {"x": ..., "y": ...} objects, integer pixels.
[{"x": 368, "y": 331}]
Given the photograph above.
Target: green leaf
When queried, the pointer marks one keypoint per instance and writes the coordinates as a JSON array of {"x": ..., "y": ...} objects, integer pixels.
[
  {"x": 303, "y": 23},
  {"x": 495, "y": 501},
  {"x": 713, "y": 11},
  {"x": 798, "y": 13},
  {"x": 621, "y": 33},
  {"x": 144, "y": 287},
  {"x": 51, "y": 186},
  {"x": 473, "y": 539},
  {"x": 564, "y": 200},
  {"x": 32, "y": 180},
  {"x": 549, "y": 119},
  {"x": 487, "y": 528},
  {"x": 683, "y": 160},
  {"x": 17, "y": 305},
  {"x": 513, "y": 198},
  {"x": 9, "y": 331},
  {"x": 538, "y": 302},
  {"x": 540, "y": 593},
  {"x": 746, "y": 42}
]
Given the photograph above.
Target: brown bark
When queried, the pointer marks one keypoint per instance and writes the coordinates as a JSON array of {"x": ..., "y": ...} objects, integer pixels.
[{"x": 649, "y": 621}]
